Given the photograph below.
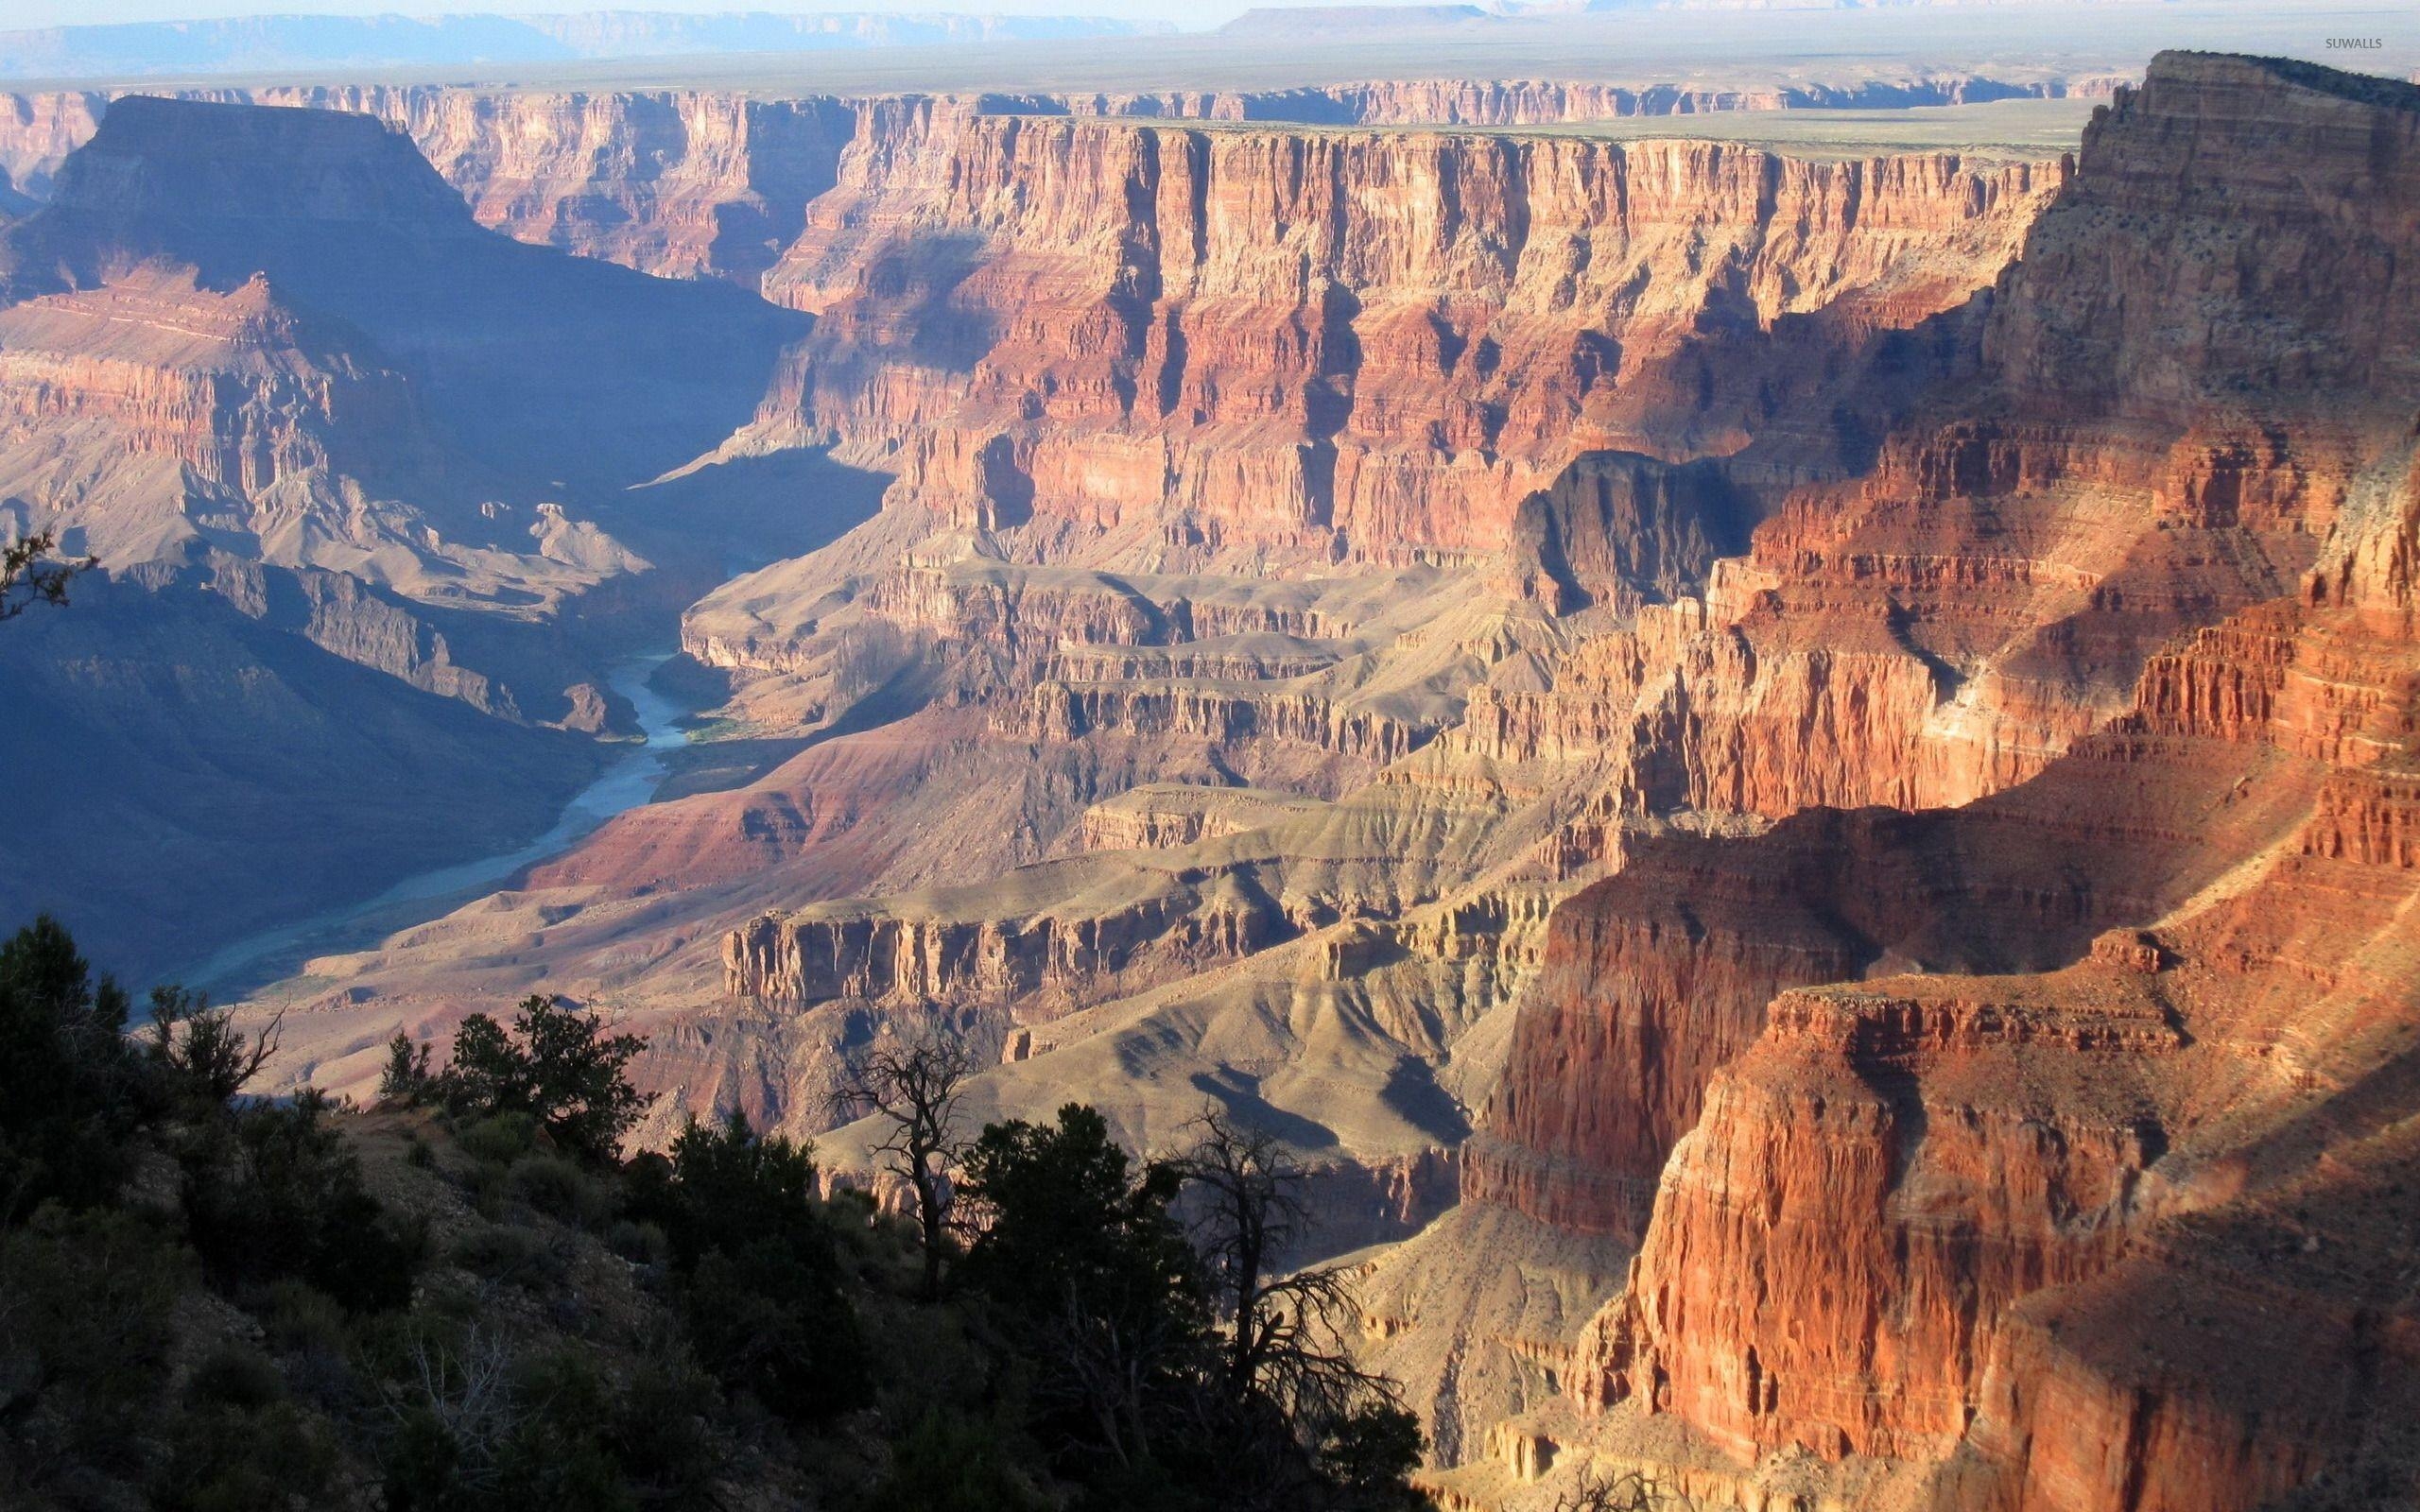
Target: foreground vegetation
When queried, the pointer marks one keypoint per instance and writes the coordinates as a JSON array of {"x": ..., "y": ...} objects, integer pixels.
[{"x": 465, "y": 1298}]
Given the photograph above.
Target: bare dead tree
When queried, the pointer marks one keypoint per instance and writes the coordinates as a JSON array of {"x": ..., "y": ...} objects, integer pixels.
[
  {"x": 1286, "y": 1335},
  {"x": 203, "y": 1046},
  {"x": 466, "y": 1395},
  {"x": 29, "y": 574},
  {"x": 1629, "y": 1491},
  {"x": 914, "y": 1088}
]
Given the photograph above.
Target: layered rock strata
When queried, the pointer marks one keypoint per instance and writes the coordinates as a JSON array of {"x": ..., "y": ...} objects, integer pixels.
[
  {"x": 2031, "y": 1215},
  {"x": 1323, "y": 345}
]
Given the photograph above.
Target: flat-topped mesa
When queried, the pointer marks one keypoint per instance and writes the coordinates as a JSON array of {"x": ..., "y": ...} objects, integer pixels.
[
  {"x": 1222, "y": 715},
  {"x": 1165, "y": 815},
  {"x": 1311, "y": 342},
  {"x": 1546, "y": 102},
  {"x": 193, "y": 161}
]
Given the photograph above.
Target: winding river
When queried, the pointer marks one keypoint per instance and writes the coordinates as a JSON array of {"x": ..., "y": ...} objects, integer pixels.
[{"x": 630, "y": 781}]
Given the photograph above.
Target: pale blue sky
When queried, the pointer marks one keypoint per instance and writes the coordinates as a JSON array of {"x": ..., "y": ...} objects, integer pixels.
[{"x": 25, "y": 13}]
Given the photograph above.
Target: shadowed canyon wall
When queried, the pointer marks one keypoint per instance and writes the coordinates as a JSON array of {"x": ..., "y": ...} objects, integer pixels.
[{"x": 2039, "y": 1215}]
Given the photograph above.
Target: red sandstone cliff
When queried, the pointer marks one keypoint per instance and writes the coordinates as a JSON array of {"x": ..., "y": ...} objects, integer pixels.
[
  {"x": 2079, "y": 1212},
  {"x": 1328, "y": 344}
]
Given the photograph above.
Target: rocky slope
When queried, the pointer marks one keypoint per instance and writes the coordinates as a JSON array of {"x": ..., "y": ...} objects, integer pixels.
[
  {"x": 1901, "y": 1218},
  {"x": 1166, "y": 806},
  {"x": 265, "y": 366}
]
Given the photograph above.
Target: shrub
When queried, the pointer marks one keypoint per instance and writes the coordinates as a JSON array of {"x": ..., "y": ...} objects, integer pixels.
[
  {"x": 87, "y": 1303},
  {"x": 640, "y": 1243},
  {"x": 235, "y": 1376},
  {"x": 501, "y": 1252},
  {"x": 949, "y": 1463},
  {"x": 774, "y": 1324},
  {"x": 500, "y": 1138},
  {"x": 562, "y": 1191},
  {"x": 234, "y": 1458},
  {"x": 272, "y": 1192},
  {"x": 477, "y": 1427},
  {"x": 666, "y": 1447}
]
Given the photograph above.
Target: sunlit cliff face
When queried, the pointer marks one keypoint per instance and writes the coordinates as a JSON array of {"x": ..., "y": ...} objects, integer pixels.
[{"x": 1792, "y": 772}]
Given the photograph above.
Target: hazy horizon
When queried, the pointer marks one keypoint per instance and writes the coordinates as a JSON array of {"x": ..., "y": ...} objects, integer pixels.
[{"x": 31, "y": 15}]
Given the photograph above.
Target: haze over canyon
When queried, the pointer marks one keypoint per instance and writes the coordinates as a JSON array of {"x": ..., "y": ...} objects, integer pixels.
[{"x": 1767, "y": 712}]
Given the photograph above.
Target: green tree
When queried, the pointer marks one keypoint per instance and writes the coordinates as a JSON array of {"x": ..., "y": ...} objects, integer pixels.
[
  {"x": 757, "y": 1265},
  {"x": 273, "y": 1193},
  {"x": 553, "y": 1064},
  {"x": 1085, "y": 1266},
  {"x": 69, "y": 1088},
  {"x": 87, "y": 1335}
]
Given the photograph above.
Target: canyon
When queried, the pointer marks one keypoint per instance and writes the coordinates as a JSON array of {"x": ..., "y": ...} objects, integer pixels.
[{"x": 1792, "y": 772}]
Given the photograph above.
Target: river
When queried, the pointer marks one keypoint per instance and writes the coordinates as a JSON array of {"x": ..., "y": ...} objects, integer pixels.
[{"x": 630, "y": 781}]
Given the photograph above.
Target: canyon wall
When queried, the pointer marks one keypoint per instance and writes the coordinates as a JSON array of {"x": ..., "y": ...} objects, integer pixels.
[
  {"x": 701, "y": 183},
  {"x": 1551, "y": 102},
  {"x": 1919, "y": 742},
  {"x": 2105, "y": 1041},
  {"x": 1324, "y": 344}
]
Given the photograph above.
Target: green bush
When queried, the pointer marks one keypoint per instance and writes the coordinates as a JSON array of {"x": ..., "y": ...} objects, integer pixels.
[
  {"x": 501, "y": 1138},
  {"x": 236, "y": 1375},
  {"x": 638, "y": 1242},
  {"x": 774, "y": 1324},
  {"x": 228, "y": 1458},
  {"x": 271, "y": 1192},
  {"x": 70, "y": 1089},
  {"x": 660, "y": 1434},
  {"x": 504, "y": 1252},
  {"x": 87, "y": 1327},
  {"x": 477, "y": 1427},
  {"x": 948, "y": 1463},
  {"x": 562, "y": 1191}
]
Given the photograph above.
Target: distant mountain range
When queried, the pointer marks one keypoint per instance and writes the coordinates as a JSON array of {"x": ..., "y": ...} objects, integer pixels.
[{"x": 270, "y": 43}]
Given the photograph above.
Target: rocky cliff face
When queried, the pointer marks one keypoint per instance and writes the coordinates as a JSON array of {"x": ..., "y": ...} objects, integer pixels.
[
  {"x": 282, "y": 322},
  {"x": 1548, "y": 102},
  {"x": 1988, "y": 1215},
  {"x": 681, "y": 183},
  {"x": 1329, "y": 344},
  {"x": 687, "y": 183}
]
